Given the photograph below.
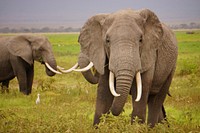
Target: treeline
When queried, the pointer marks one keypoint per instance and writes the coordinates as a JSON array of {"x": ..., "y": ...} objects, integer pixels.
[
  {"x": 38, "y": 30},
  {"x": 191, "y": 25}
]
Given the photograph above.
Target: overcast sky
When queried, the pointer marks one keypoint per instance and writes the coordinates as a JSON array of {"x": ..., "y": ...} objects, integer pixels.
[{"x": 75, "y": 12}]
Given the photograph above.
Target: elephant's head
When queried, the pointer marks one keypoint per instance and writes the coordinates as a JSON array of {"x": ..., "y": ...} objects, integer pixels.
[
  {"x": 31, "y": 48},
  {"x": 127, "y": 41}
]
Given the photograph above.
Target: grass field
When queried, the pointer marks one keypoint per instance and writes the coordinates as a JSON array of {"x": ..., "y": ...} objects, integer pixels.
[{"x": 68, "y": 101}]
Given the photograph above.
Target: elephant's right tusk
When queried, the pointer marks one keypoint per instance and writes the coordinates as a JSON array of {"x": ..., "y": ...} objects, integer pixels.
[
  {"x": 85, "y": 68},
  {"x": 50, "y": 68},
  {"x": 60, "y": 68},
  {"x": 111, "y": 85},
  {"x": 69, "y": 70},
  {"x": 139, "y": 86}
]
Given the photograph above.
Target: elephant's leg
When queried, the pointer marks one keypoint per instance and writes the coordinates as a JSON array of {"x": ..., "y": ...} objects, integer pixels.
[
  {"x": 22, "y": 79},
  {"x": 22, "y": 83},
  {"x": 5, "y": 85},
  {"x": 30, "y": 75},
  {"x": 154, "y": 109},
  {"x": 19, "y": 67},
  {"x": 104, "y": 98},
  {"x": 139, "y": 108},
  {"x": 162, "y": 115},
  {"x": 155, "y": 103}
]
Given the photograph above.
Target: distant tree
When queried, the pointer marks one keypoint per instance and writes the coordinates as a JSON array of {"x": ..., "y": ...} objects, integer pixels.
[
  {"x": 45, "y": 29},
  {"x": 34, "y": 30},
  {"x": 69, "y": 29},
  {"x": 184, "y": 26},
  {"x": 14, "y": 30},
  {"x": 61, "y": 29},
  {"x": 193, "y": 25},
  {"x": 26, "y": 30},
  {"x": 5, "y": 30}
]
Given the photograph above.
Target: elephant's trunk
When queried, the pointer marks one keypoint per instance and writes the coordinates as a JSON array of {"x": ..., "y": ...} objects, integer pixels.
[
  {"x": 123, "y": 85},
  {"x": 52, "y": 63},
  {"x": 124, "y": 63},
  {"x": 83, "y": 61}
]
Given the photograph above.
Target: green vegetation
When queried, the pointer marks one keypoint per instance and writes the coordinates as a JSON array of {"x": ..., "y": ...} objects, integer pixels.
[{"x": 68, "y": 101}]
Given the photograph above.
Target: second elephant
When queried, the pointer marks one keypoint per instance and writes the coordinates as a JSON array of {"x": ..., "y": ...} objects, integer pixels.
[{"x": 17, "y": 55}]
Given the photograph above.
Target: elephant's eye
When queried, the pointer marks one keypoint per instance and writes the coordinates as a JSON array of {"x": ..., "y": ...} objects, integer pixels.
[{"x": 140, "y": 39}]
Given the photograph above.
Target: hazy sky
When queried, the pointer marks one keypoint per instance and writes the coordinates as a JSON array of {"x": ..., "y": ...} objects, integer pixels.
[{"x": 75, "y": 12}]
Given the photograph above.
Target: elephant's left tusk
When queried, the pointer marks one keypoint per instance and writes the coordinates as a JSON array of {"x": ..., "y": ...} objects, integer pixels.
[
  {"x": 67, "y": 71},
  {"x": 139, "y": 86},
  {"x": 111, "y": 85},
  {"x": 50, "y": 68},
  {"x": 85, "y": 68}
]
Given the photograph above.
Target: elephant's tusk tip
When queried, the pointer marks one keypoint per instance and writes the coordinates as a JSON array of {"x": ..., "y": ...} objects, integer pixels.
[
  {"x": 117, "y": 95},
  {"x": 90, "y": 65},
  {"x": 51, "y": 69},
  {"x": 137, "y": 100},
  {"x": 62, "y": 70}
]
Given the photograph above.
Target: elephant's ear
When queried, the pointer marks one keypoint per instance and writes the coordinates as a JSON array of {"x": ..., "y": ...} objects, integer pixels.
[
  {"x": 151, "y": 40},
  {"x": 91, "y": 41},
  {"x": 20, "y": 46}
]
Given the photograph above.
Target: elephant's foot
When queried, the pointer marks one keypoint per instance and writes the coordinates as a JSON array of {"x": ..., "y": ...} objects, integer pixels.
[
  {"x": 7, "y": 90},
  {"x": 4, "y": 89},
  {"x": 25, "y": 92},
  {"x": 138, "y": 116},
  {"x": 137, "y": 120}
]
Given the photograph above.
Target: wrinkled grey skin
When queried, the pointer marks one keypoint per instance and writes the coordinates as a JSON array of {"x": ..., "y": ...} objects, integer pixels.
[
  {"x": 91, "y": 77},
  {"x": 126, "y": 42},
  {"x": 17, "y": 55}
]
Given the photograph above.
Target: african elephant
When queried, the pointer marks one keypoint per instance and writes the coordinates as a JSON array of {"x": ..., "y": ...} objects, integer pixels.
[
  {"x": 133, "y": 52},
  {"x": 17, "y": 55}
]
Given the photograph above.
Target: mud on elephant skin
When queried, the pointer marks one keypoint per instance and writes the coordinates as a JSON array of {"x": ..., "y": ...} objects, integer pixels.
[
  {"x": 130, "y": 46},
  {"x": 17, "y": 55}
]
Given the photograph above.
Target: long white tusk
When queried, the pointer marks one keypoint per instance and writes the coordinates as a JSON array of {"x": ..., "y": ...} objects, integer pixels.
[
  {"x": 139, "y": 86},
  {"x": 60, "y": 68},
  {"x": 69, "y": 70},
  {"x": 85, "y": 68},
  {"x": 111, "y": 84},
  {"x": 50, "y": 68}
]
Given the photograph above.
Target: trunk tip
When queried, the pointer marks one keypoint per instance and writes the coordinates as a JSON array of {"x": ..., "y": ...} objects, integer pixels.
[{"x": 116, "y": 112}]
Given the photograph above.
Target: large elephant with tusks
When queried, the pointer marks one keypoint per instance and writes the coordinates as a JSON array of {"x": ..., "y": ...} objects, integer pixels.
[{"x": 133, "y": 53}]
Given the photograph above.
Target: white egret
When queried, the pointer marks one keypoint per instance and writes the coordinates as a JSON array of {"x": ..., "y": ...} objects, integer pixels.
[{"x": 38, "y": 99}]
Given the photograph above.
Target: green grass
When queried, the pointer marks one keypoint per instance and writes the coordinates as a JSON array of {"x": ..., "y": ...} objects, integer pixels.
[
  {"x": 68, "y": 101},
  {"x": 189, "y": 53}
]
